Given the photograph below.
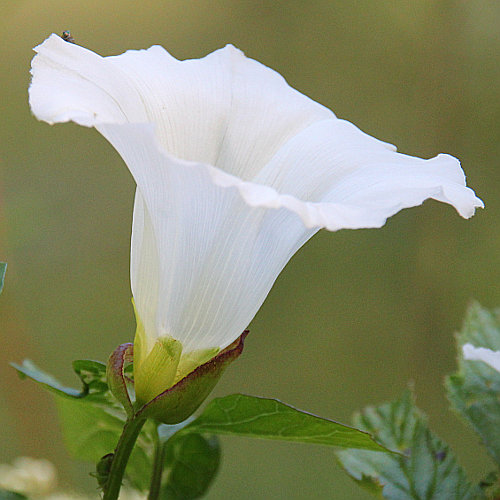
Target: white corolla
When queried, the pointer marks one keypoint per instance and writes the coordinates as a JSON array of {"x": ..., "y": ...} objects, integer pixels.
[
  {"x": 235, "y": 171},
  {"x": 491, "y": 358}
]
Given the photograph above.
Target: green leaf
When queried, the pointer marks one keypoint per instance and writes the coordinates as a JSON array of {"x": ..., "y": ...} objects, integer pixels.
[
  {"x": 10, "y": 495},
  {"x": 30, "y": 370},
  {"x": 428, "y": 470},
  {"x": 90, "y": 432},
  {"x": 256, "y": 417},
  {"x": 3, "y": 269},
  {"x": 92, "y": 375},
  {"x": 474, "y": 390},
  {"x": 192, "y": 462},
  {"x": 92, "y": 419}
]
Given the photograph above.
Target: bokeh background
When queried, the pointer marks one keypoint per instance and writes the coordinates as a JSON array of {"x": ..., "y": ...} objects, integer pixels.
[{"x": 355, "y": 316}]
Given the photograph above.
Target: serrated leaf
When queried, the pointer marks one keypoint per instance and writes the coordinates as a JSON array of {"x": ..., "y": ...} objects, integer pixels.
[
  {"x": 428, "y": 470},
  {"x": 264, "y": 418},
  {"x": 90, "y": 432},
  {"x": 192, "y": 462},
  {"x": 474, "y": 390},
  {"x": 3, "y": 269}
]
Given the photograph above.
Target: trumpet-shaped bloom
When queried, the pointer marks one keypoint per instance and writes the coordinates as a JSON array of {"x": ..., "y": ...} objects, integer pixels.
[
  {"x": 491, "y": 358},
  {"x": 235, "y": 171}
]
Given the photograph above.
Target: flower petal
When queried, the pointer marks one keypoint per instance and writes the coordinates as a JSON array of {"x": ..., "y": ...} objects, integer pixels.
[
  {"x": 333, "y": 161},
  {"x": 220, "y": 254},
  {"x": 145, "y": 271},
  {"x": 491, "y": 358},
  {"x": 72, "y": 83},
  {"x": 214, "y": 110},
  {"x": 227, "y": 240},
  {"x": 234, "y": 170}
]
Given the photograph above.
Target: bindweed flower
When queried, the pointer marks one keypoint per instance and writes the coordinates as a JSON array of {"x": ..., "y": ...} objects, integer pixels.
[
  {"x": 235, "y": 171},
  {"x": 491, "y": 358}
]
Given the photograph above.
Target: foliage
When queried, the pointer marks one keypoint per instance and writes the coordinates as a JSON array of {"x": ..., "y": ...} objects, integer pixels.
[
  {"x": 390, "y": 451},
  {"x": 192, "y": 461},
  {"x": 426, "y": 468},
  {"x": 10, "y": 495},
  {"x": 475, "y": 388},
  {"x": 93, "y": 421},
  {"x": 263, "y": 418}
]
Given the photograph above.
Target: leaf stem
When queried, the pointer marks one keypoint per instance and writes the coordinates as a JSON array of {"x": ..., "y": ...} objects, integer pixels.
[
  {"x": 123, "y": 449},
  {"x": 159, "y": 459}
]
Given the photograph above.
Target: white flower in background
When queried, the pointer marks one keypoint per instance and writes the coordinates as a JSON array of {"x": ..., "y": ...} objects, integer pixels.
[
  {"x": 28, "y": 476},
  {"x": 491, "y": 358},
  {"x": 235, "y": 171},
  {"x": 37, "y": 479}
]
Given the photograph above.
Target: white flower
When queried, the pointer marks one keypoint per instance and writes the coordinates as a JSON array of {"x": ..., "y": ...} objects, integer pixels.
[
  {"x": 491, "y": 358},
  {"x": 29, "y": 476},
  {"x": 235, "y": 171}
]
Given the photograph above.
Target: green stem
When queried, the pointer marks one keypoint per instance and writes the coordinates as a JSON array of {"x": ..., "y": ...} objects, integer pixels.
[
  {"x": 123, "y": 449},
  {"x": 159, "y": 460}
]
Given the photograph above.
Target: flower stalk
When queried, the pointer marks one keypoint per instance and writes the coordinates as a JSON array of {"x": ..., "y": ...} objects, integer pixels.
[
  {"x": 122, "y": 453},
  {"x": 158, "y": 462}
]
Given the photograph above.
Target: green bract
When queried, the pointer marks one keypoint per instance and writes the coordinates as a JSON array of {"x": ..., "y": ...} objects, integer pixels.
[
  {"x": 164, "y": 397},
  {"x": 178, "y": 402}
]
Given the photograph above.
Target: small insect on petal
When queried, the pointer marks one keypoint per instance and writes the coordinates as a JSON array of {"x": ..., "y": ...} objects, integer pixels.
[{"x": 66, "y": 36}]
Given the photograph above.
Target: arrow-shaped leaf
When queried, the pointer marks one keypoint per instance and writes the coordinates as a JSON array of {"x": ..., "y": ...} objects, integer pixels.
[{"x": 251, "y": 416}]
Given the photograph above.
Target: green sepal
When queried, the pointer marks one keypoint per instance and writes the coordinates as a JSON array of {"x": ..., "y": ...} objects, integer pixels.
[
  {"x": 474, "y": 389},
  {"x": 157, "y": 370},
  {"x": 182, "y": 399},
  {"x": 263, "y": 418},
  {"x": 427, "y": 468},
  {"x": 115, "y": 376},
  {"x": 3, "y": 269}
]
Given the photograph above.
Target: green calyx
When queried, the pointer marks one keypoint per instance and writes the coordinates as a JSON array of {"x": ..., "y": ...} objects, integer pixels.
[{"x": 169, "y": 384}]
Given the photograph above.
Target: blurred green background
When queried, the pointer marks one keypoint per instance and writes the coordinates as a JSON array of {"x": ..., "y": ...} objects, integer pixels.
[{"x": 355, "y": 315}]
